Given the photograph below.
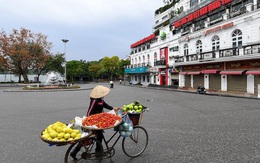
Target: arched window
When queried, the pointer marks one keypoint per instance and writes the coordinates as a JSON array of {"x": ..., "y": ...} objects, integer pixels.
[
  {"x": 215, "y": 43},
  {"x": 199, "y": 46},
  {"x": 237, "y": 38},
  {"x": 186, "y": 49},
  {"x": 155, "y": 57}
]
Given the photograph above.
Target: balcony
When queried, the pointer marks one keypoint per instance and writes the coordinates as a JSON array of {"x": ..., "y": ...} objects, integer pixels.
[{"x": 160, "y": 63}]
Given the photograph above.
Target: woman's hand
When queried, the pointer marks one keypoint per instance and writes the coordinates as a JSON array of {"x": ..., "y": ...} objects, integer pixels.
[{"x": 116, "y": 109}]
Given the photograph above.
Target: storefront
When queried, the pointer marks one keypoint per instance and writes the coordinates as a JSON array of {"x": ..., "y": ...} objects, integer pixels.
[
  {"x": 253, "y": 77},
  {"x": 236, "y": 80}
]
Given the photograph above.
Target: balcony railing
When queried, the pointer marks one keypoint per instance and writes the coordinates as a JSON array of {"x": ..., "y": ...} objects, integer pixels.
[
  {"x": 160, "y": 63},
  {"x": 248, "y": 49}
]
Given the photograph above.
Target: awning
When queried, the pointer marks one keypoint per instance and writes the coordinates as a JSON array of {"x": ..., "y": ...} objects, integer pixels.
[
  {"x": 193, "y": 73},
  {"x": 253, "y": 72},
  {"x": 182, "y": 73},
  {"x": 209, "y": 71},
  {"x": 232, "y": 72}
]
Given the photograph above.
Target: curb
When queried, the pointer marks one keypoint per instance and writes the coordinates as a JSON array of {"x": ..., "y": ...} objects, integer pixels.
[
  {"x": 207, "y": 93},
  {"x": 47, "y": 90}
]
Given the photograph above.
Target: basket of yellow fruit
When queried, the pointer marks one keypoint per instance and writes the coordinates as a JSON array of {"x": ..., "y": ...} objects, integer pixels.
[{"x": 59, "y": 134}]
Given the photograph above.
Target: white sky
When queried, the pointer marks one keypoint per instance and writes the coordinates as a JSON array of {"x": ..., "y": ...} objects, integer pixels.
[{"x": 94, "y": 28}]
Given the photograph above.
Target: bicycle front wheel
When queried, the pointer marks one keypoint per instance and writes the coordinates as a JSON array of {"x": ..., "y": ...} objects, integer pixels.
[
  {"x": 86, "y": 153},
  {"x": 136, "y": 143}
]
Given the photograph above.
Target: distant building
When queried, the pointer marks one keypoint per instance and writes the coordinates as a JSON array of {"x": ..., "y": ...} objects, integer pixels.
[{"x": 215, "y": 43}]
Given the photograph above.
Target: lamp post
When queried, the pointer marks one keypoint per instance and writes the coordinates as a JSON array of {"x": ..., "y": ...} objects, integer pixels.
[{"x": 65, "y": 73}]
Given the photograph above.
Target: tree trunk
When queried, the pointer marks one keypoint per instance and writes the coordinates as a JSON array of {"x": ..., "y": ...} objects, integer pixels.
[
  {"x": 19, "y": 80},
  {"x": 25, "y": 77}
]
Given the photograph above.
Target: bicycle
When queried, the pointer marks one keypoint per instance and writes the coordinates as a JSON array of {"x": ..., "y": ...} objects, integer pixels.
[{"x": 133, "y": 146}]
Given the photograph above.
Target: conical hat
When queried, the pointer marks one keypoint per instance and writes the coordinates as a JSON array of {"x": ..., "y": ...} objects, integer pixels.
[{"x": 99, "y": 91}]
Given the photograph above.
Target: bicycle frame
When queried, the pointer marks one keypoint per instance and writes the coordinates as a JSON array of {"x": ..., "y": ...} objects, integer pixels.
[{"x": 111, "y": 138}]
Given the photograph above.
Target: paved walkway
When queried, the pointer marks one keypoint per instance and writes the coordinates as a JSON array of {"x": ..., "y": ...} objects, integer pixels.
[{"x": 212, "y": 93}]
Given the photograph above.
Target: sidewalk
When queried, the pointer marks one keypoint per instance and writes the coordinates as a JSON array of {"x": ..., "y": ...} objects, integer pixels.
[
  {"x": 226, "y": 93},
  {"x": 209, "y": 92}
]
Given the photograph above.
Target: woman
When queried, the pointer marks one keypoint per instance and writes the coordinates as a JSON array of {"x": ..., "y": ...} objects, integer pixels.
[{"x": 96, "y": 106}]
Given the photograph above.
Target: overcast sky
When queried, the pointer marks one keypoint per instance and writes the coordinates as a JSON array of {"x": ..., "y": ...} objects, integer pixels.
[{"x": 94, "y": 28}]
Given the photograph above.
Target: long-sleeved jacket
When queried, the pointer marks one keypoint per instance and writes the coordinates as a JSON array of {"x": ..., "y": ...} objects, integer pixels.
[{"x": 97, "y": 105}]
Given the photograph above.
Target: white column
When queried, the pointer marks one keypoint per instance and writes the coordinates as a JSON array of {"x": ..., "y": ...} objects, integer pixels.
[
  {"x": 258, "y": 86},
  {"x": 224, "y": 83},
  {"x": 181, "y": 80},
  {"x": 191, "y": 81},
  {"x": 250, "y": 84},
  {"x": 206, "y": 81}
]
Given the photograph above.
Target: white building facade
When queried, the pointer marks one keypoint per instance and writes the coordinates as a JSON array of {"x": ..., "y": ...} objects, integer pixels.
[{"x": 215, "y": 43}]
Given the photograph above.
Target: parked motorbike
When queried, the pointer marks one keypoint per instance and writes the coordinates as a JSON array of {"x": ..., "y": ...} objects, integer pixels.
[{"x": 201, "y": 90}]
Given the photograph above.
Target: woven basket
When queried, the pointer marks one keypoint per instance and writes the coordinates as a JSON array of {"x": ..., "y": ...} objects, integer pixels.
[
  {"x": 59, "y": 143},
  {"x": 136, "y": 118}
]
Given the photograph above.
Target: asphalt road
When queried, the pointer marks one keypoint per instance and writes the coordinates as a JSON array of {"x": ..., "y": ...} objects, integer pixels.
[{"x": 182, "y": 127}]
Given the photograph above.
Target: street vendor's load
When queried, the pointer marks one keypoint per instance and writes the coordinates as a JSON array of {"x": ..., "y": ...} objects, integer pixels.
[
  {"x": 101, "y": 121},
  {"x": 60, "y": 132},
  {"x": 134, "y": 107}
]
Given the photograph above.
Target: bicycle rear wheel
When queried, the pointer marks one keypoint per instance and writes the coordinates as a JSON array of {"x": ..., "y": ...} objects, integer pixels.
[
  {"x": 86, "y": 153},
  {"x": 136, "y": 143}
]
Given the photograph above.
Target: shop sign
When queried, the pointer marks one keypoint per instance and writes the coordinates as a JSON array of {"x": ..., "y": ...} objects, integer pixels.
[
  {"x": 202, "y": 11},
  {"x": 187, "y": 38},
  {"x": 218, "y": 28},
  {"x": 136, "y": 70},
  {"x": 207, "y": 55},
  {"x": 154, "y": 69},
  {"x": 243, "y": 64}
]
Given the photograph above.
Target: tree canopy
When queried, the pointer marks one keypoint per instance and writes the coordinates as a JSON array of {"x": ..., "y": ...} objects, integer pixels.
[{"x": 23, "y": 51}]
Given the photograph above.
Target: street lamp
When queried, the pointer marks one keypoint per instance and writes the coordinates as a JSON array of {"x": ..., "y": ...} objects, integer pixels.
[{"x": 65, "y": 41}]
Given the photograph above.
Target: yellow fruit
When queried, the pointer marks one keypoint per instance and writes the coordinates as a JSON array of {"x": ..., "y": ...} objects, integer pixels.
[
  {"x": 67, "y": 136},
  {"x": 53, "y": 134},
  {"x": 73, "y": 135},
  {"x": 50, "y": 130},
  {"x": 54, "y": 127},
  {"x": 46, "y": 136},
  {"x": 79, "y": 135},
  {"x": 49, "y": 138},
  {"x": 55, "y": 139},
  {"x": 59, "y": 129},
  {"x": 59, "y": 123},
  {"x": 70, "y": 139},
  {"x": 68, "y": 130},
  {"x": 61, "y": 135},
  {"x": 62, "y": 139},
  {"x": 77, "y": 131}
]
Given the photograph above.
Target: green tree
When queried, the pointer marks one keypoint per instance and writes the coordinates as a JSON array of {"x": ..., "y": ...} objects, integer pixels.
[
  {"x": 55, "y": 63},
  {"x": 121, "y": 67},
  {"x": 76, "y": 70},
  {"x": 95, "y": 70},
  {"x": 110, "y": 65}
]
